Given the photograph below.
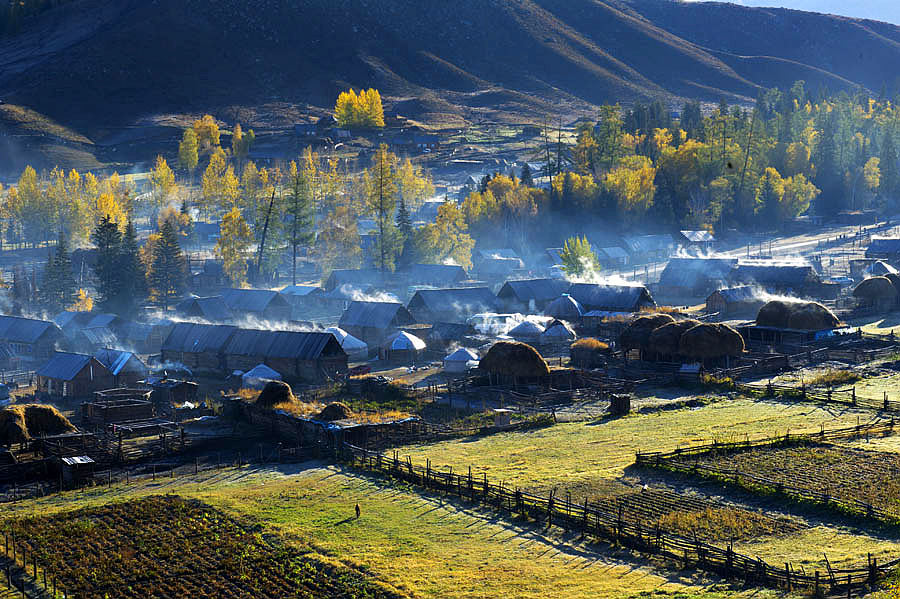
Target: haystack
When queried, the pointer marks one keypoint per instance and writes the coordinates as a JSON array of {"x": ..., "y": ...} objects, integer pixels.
[
  {"x": 711, "y": 341},
  {"x": 637, "y": 334},
  {"x": 666, "y": 339},
  {"x": 12, "y": 425},
  {"x": 895, "y": 279},
  {"x": 588, "y": 352},
  {"x": 876, "y": 290},
  {"x": 805, "y": 316},
  {"x": 335, "y": 411},
  {"x": 510, "y": 358},
  {"x": 20, "y": 423},
  {"x": 774, "y": 314},
  {"x": 274, "y": 394},
  {"x": 41, "y": 420},
  {"x": 811, "y": 316}
]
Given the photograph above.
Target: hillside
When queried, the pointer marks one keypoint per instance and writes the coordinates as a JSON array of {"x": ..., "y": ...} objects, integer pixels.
[{"x": 98, "y": 69}]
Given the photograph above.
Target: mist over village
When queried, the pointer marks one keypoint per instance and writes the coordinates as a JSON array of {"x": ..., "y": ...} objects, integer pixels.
[{"x": 409, "y": 299}]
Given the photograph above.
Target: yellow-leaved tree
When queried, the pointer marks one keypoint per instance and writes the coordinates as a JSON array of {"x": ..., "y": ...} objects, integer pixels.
[
  {"x": 359, "y": 110},
  {"x": 235, "y": 238},
  {"x": 219, "y": 187},
  {"x": 631, "y": 184},
  {"x": 207, "y": 131}
]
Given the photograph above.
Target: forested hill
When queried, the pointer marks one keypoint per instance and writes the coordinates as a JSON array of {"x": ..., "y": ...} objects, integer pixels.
[{"x": 86, "y": 62}]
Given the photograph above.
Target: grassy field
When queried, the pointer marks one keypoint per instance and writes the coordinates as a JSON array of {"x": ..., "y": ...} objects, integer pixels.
[
  {"x": 418, "y": 544},
  {"x": 571, "y": 453}
]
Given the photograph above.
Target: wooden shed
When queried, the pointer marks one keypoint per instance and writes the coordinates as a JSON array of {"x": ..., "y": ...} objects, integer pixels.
[{"x": 70, "y": 375}]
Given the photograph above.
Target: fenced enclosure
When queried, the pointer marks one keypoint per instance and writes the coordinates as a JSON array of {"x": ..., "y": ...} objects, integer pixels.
[
  {"x": 696, "y": 461},
  {"x": 615, "y": 525}
]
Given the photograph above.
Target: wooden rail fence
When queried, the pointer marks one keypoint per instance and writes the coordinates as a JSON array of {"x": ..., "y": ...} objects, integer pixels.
[
  {"x": 604, "y": 522},
  {"x": 685, "y": 460}
]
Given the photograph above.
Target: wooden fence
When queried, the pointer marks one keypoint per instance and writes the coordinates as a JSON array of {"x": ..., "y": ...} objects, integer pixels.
[
  {"x": 685, "y": 460},
  {"x": 614, "y": 525}
]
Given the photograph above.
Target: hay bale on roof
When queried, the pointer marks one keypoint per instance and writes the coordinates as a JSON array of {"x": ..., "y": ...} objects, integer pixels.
[
  {"x": 335, "y": 411},
  {"x": 711, "y": 340},
  {"x": 12, "y": 426},
  {"x": 637, "y": 334},
  {"x": 666, "y": 339},
  {"x": 274, "y": 394},
  {"x": 811, "y": 316},
  {"x": 511, "y": 358},
  {"x": 876, "y": 289}
]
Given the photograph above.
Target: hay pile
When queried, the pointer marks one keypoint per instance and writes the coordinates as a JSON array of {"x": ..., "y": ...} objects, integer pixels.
[
  {"x": 806, "y": 316},
  {"x": 509, "y": 358},
  {"x": 12, "y": 426},
  {"x": 637, "y": 334},
  {"x": 276, "y": 394},
  {"x": 588, "y": 353},
  {"x": 20, "y": 423},
  {"x": 666, "y": 339},
  {"x": 876, "y": 289},
  {"x": 711, "y": 340},
  {"x": 335, "y": 411},
  {"x": 45, "y": 420}
]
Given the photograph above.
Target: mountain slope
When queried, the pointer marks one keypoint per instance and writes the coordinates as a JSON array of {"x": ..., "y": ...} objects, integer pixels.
[{"x": 95, "y": 66}]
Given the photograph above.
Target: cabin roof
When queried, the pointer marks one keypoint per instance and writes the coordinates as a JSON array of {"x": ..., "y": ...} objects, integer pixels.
[{"x": 376, "y": 315}]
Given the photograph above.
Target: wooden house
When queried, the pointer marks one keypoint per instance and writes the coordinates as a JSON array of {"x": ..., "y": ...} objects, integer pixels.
[
  {"x": 125, "y": 367},
  {"x": 496, "y": 264},
  {"x": 373, "y": 322},
  {"x": 211, "y": 309},
  {"x": 305, "y": 357},
  {"x": 530, "y": 295},
  {"x": 200, "y": 347},
  {"x": 451, "y": 305},
  {"x": 31, "y": 340},
  {"x": 611, "y": 298},
  {"x": 263, "y": 304},
  {"x": 694, "y": 277},
  {"x": 734, "y": 300},
  {"x": 69, "y": 375},
  {"x": 437, "y": 275}
]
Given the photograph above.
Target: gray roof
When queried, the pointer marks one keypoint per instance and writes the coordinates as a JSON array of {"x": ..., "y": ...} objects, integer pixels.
[
  {"x": 97, "y": 336},
  {"x": 647, "y": 243},
  {"x": 300, "y": 290},
  {"x": 698, "y": 236},
  {"x": 778, "y": 275},
  {"x": 501, "y": 253},
  {"x": 117, "y": 361},
  {"x": 213, "y": 308},
  {"x": 282, "y": 344},
  {"x": 744, "y": 293},
  {"x": 613, "y": 252},
  {"x": 436, "y": 273},
  {"x": 102, "y": 320},
  {"x": 695, "y": 272},
  {"x": 376, "y": 315},
  {"x": 464, "y": 300},
  {"x": 623, "y": 298},
  {"x": 197, "y": 338},
  {"x": 64, "y": 366},
  {"x": 252, "y": 300},
  {"x": 14, "y": 329},
  {"x": 356, "y": 277},
  {"x": 565, "y": 306},
  {"x": 533, "y": 289}
]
